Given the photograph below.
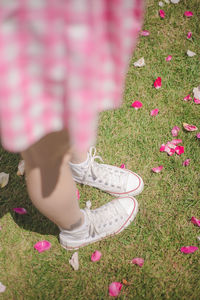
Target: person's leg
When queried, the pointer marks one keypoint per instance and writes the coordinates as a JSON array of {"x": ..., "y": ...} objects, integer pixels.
[{"x": 49, "y": 181}]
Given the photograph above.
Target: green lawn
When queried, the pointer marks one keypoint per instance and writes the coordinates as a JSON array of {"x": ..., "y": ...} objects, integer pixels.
[{"x": 169, "y": 199}]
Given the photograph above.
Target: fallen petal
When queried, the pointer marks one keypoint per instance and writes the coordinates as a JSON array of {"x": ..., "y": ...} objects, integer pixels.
[
  {"x": 2, "y": 288},
  {"x": 21, "y": 168},
  {"x": 175, "y": 130},
  {"x": 20, "y": 210},
  {"x": 195, "y": 221},
  {"x": 160, "y": 3},
  {"x": 196, "y": 92},
  {"x": 96, "y": 255},
  {"x": 162, "y": 13},
  {"x": 115, "y": 288},
  {"x": 145, "y": 33},
  {"x": 189, "y": 249},
  {"x": 189, "y": 35},
  {"x": 122, "y": 166},
  {"x": 140, "y": 63},
  {"x": 171, "y": 145},
  {"x": 154, "y": 112},
  {"x": 162, "y": 148},
  {"x": 197, "y": 101},
  {"x": 168, "y": 58},
  {"x": 125, "y": 282},
  {"x": 188, "y": 13},
  {"x": 187, "y": 98},
  {"x": 176, "y": 141},
  {"x": 157, "y": 169},
  {"x": 179, "y": 150},
  {"x": 169, "y": 150},
  {"x": 189, "y": 127},
  {"x": 4, "y": 177},
  {"x": 74, "y": 262},
  {"x": 186, "y": 162},
  {"x": 157, "y": 83},
  {"x": 42, "y": 246},
  {"x": 190, "y": 53},
  {"x": 136, "y": 105},
  {"x": 198, "y": 135},
  {"x": 138, "y": 261},
  {"x": 77, "y": 194}
]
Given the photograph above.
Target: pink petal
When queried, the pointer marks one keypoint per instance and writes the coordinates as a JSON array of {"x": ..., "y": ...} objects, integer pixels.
[
  {"x": 195, "y": 221},
  {"x": 77, "y": 194},
  {"x": 169, "y": 150},
  {"x": 175, "y": 130},
  {"x": 186, "y": 162},
  {"x": 189, "y": 127},
  {"x": 168, "y": 58},
  {"x": 145, "y": 33},
  {"x": 157, "y": 83},
  {"x": 162, "y": 148},
  {"x": 171, "y": 145},
  {"x": 122, "y": 166},
  {"x": 42, "y": 246},
  {"x": 157, "y": 169},
  {"x": 115, "y": 288},
  {"x": 176, "y": 141},
  {"x": 138, "y": 261},
  {"x": 197, "y": 101},
  {"x": 96, "y": 255},
  {"x": 154, "y": 112},
  {"x": 162, "y": 13},
  {"x": 179, "y": 150},
  {"x": 187, "y": 98},
  {"x": 188, "y": 13},
  {"x": 136, "y": 105},
  {"x": 198, "y": 135},
  {"x": 189, "y": 35},
  {"x": 20, "y": 210},
  {"x": 189, "y": 249}
]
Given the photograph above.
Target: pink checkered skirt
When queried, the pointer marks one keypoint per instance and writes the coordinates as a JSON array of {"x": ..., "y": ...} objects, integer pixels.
[{"x": 61, "y": 63}]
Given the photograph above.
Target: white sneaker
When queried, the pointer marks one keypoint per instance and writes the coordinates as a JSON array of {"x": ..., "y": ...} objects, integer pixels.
[
  {"x": 113, "y": 180},
  {"x": 107, "y": 220}
]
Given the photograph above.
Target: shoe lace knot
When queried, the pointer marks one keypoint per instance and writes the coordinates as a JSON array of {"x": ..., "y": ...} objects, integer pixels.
[{"x": 108, "y": 175}]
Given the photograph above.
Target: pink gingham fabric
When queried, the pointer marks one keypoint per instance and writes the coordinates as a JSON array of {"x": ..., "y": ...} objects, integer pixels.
[{"x": 61, "y": 63}]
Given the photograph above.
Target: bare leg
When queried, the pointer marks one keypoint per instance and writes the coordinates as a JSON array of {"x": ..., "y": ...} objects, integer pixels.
[
  {"x": 49, "y": 180},
  {"x": 78, "y": 157}
]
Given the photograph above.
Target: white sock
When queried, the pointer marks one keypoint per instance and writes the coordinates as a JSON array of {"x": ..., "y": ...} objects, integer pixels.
[{"x": 83, "y": 164}]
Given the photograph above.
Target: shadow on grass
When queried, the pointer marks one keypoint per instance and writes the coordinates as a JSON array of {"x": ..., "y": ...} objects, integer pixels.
[{"x": 15, "y": 195}]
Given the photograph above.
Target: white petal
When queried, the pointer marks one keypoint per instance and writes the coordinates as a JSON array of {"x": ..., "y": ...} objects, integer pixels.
[
  {"x": 161, "y": 4},
  {"x": 74, "y": 261},
  {"x": 196, "y": 92},
  {"x": 175, "y": 1},
  {"x": 3, "y": 179},
  {"x": 21, "y": 168},
  {"x": 191, "y": 53},
  {"x": 140, "y": 63}
]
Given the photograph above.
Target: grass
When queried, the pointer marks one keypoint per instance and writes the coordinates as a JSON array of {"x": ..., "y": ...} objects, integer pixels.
[{"x": 167, "y": 203}]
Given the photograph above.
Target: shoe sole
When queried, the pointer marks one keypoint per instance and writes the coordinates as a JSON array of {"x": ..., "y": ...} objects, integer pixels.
[
  {"x": 126, "y": 224},
  {"x": 133, "y": 192}
]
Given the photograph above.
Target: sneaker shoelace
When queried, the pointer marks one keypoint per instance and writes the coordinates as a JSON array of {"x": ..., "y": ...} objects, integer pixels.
[
  {"x": 109, "y": 214},
  {"x": 110, "y": 177}
]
